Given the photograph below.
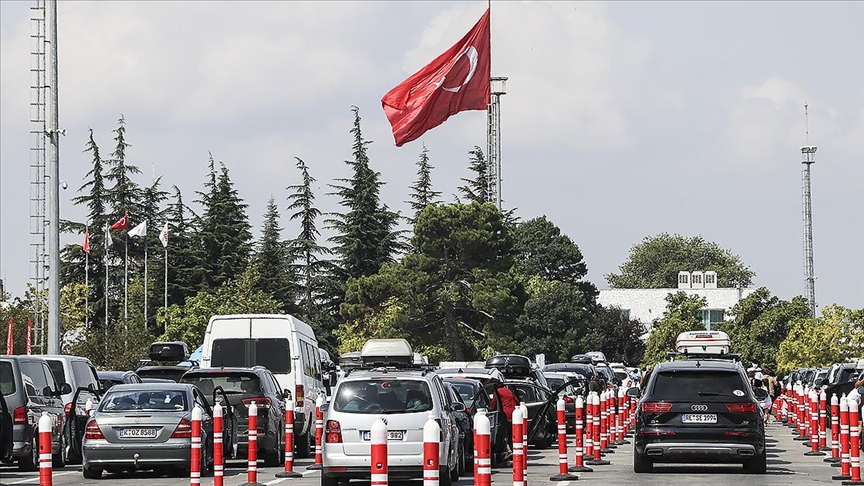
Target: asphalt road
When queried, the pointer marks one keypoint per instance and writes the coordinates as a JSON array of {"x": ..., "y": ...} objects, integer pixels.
[{"x": 787, "y": 465}]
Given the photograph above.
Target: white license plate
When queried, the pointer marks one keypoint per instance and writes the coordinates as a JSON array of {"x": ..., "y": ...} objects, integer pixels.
[
  {"x": 391, "y": 435},
  {"x": 138, "y": 433},
  {"x": 699, "y": 418}
]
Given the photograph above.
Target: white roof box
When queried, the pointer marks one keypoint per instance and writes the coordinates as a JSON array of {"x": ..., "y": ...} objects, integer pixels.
[
  {"x": 703, "y": 342},
  {"x": 387, "y": 352}
]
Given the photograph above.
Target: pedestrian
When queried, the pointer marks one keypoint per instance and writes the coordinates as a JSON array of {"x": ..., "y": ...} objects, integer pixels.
[
  {"x": 765, "y": 404},
  {"x": 770, "y": 382}
]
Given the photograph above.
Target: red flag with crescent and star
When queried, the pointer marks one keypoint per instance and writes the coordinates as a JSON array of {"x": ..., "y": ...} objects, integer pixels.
[
  {"x": 457, "y": 80},
  {"x": 122, "y": 223},
  {"x": 86, "y": 244}
]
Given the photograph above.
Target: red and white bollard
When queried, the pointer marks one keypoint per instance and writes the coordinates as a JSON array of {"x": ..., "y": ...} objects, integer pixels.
[
  {"x": 835, "y": 431},
  {"x": 378, "y": 451},
  {"x": 802, "y": 414},
  {"x": 46, "y": 477},
  {"x": 604, "y": 423},
  {"x": 431, "y": 452},
  {"x": 579, "y": 461},
  {"x": 813, "y": 400},
  {"x": 252, "y": 456},
  {"x": 525, "y": 427},
  {"x": 854, "y": 443},
  {"x": 218, "y": 457},
  {"x": 518, "y": 452},
  {"x": 483, "y": 446},
  {"x": 589, "y": 427},
  {"x": 319, "y": 434},
  {"x": 594, "y": 403},
  {"x": 195, "y": 458},
  {"x": 562, "y": 475},
  {"x": 88, "y": 407},
  {"x": 844, "y": 441},
  {"x": 289, "y": 471},
  {"x": 823, "y": 424}
]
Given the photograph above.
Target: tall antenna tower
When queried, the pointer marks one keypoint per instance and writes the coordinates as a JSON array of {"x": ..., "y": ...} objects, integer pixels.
[
  {"x": 808, "y": 154},
  {"x": 38, "y": 217},
  {"x": 493, "y": 139}
]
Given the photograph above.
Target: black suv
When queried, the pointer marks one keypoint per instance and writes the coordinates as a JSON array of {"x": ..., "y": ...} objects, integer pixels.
[{"x": 699, "y": 410}]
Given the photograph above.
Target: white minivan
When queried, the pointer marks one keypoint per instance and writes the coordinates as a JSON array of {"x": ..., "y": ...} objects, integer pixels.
[{"x": 281, "y": 343}]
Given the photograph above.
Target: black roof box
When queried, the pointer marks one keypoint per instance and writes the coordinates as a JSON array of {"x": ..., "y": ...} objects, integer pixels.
[
  {"x": 582, "y": 359},
  {"x": 168, "y": 351},
  {"x": 511, "y": 365}
]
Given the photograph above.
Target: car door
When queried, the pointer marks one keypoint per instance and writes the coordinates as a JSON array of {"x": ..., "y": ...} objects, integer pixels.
[
  {"x": 76, "y": 422},
  {"x": 537, "y": 399},
  {"x": 206, "y": 422},
  {"x": 229, "y": 423},
  {"x": 487, "y": 398}
]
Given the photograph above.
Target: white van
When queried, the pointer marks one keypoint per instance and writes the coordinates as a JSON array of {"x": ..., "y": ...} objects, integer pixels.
[{"x": 281, "y": 343}]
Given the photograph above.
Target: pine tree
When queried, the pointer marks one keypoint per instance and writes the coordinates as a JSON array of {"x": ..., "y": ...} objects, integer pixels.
[
  {"x": 184, "y": 272},
  {"x": 477, "y": 189},
  {"x": 273, "y": 261},
  {"x": 153, "y": 213},
  {"x": 423, "y": 194},
  {"x": 124, "y": 195}
]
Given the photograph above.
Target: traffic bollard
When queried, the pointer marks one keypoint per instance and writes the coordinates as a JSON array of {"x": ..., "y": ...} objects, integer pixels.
[
  {"x": 823, "y": 424},
  {"x": 579, "y": 461},
  {"x": 518, "y": 452},
  {"x": 525, "y": 427},
  {"x": 605, "y": 446},
  {"x": 218, "y": 433},
  {"x": 802, "y": 415},
  {"x": 594, "y": 401},
  {"x": 195, "y": 457},
  {"x": 562, "y": 475},
  {"x": 319, "y": 434},
  {"x": 845, "y": 473},
  {"x": 289, "y": 471},
  {"x": 378, "y": 449},
  {"x": 835, "y": 430},
  {"x": 46, "y": 473},
  {"x": 813, "y": 400},
  {"x": 252, "y": 456},
  {"x": 589, "y": 427},
  {"x": 431, "y": 452},
  {"x": 484, "y": 457},
  {"x": 854, "y": 444},
  {"x": 88, "y": 407}
]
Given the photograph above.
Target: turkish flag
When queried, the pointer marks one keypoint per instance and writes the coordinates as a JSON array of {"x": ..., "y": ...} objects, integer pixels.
[
  {"x": 86, "y": 244},
  {"x": 28, "y": 347},
  {"x": 123, "y": 223},
  {"x": 457, "y": 80}
]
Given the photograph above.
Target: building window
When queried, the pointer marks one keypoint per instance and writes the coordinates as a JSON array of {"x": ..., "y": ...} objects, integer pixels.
[
  {"x": 696, "y": 279},
  {"x": 709, "y": 278},
  {"x": 683, "y": 278},
  {"x": 712, "y": 318}
]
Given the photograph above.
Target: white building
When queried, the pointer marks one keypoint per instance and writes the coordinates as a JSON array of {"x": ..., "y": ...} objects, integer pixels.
[{"x": 645, "y": 305}]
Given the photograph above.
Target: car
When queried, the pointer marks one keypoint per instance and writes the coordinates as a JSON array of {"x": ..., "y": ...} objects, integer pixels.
[
  {"x": 484, "y": 376},
  {"x": 146, "y": 426},
  {"x": 568, "y": 386},
  {"x": 596, "y": 356},
  {"x": 107, "y": 379},
  {"x": 78, "y": 371},
  {"x": 516, "y": 366},
  {"x": 388, "y": 384},
  {"x": 699, "y": 409},
  {"x": 465, "y": 425},
  {"x": 29, "y": 389},
  {"x": 467, "y": 388},
  {"x": 607, "y": 375},
  {"x": 5, "y": 431},
  {"x": 242, "y": 386},
  {"x": 160, "y": 354},
  {"x": 542, "y": 412}
]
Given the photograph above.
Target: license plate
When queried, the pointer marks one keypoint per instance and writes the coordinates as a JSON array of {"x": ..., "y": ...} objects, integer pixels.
[
  {"x": 699, "y": 418},
  {"x": 391, "y": 435},
  {"x": 138, "y": 433}
]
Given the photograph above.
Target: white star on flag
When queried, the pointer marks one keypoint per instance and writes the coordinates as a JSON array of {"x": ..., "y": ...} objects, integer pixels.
[
  {"x": 140, "y": 230},
  {"x": 163, "y": 235}
]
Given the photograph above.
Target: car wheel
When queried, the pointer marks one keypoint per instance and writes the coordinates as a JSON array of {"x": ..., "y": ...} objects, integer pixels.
[
  {"x": 30, "y": 462},
  {"x": 274, "y": 458},
  {"x": 302, "y": 445},
  {"x": 756, "y": 464},
  {"x": 641, "y": 464},
  {"x": 444, "y": 476},
  {"x": 329, "y": 481},
  {"x": 92, "y": 473}
]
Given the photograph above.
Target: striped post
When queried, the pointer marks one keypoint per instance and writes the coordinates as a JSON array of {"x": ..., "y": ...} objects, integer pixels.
[
  {"x": 823, "y": 415},
  {"x": 46, "y": 477},
  {"x": 835, "y": 430},
  {"x": 589, "y": 427},
  {"x": 802, "y": 414},
  {"x": 845, "y": 474},
  {"x": 813, "y": 401},
  {"x": 218, "y": 459},
  {"x": 431, "y": 452},
  {"x": 525, "y": 426},
  {"x": 195, "y": 459},
  {"x": 289, "y": 471},
  {"x": 594, "y": 404},
  {"x": 378, "y": 450},
  {"x": 579, "y": 461},
  {"x": 518, "y": 452},
  {"x": 484, "y": 457},
  {"x": 854, "y": 444},
  {"x": 252, "y": 456},
  {"x": 562, "y": 475},
  {"x": 319, "y": 434}
]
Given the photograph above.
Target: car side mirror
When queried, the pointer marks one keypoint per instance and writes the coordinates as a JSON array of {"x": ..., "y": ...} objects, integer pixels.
[
  {"x": 65, "y": 388},
  {"x": 633, "y": 392},
  {"x": 760, "y": 393},
  {"x": 457, "y": 407},
  {"x": 324, "y": 407}
]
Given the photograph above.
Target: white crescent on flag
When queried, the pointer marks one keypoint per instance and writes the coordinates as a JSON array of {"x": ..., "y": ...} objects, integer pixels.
[{"x": 163, "y": 235}]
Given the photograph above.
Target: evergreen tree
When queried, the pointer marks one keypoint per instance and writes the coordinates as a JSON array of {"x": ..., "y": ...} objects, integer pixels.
[
  {"x": 423, "y": 194},
  {"x": 124, "y": 194},
  {"x": 153, "y": 213},
  {"x": 477, "y": 189},
  {"x": 275, "y": 276},
  {"x": 184, "y": 273}
]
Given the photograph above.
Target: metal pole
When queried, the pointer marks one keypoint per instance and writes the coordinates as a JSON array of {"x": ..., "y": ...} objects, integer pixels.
[
  {"x": 53, "y": 191},
  {"x": 166, "y": 278},
  {"x": 86, "y": 290},
  {"x": 145, "y": 281},
  {"x": 126, "y": 284}
]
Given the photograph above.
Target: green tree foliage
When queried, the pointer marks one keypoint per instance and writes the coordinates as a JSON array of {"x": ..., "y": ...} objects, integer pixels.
[
  {"x": 542, "y": 250},
  {"x": 760, "y": 323},
  {"x": 153, "y": 213},
  {"x": 618, "y": 337},
  {"x": 836, "y": 336},
  {"x": 476, "y": 189},
  {"x": 184, "y": 272},
  {"x": 422, "y": 193},
  {"x": 655, "y": 262},
  {"x": 124, "y": 194},
  {"x": 683, "y": 313},
  {"x": 187, "y": 323},
  {"x": 274, "y": 261}
]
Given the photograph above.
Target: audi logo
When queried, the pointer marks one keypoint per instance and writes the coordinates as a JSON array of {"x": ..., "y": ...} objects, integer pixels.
[{"x": 699, "y": 408}]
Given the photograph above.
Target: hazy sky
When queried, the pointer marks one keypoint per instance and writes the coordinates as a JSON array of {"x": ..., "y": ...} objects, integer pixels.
[{"x": 621, "y": 120}]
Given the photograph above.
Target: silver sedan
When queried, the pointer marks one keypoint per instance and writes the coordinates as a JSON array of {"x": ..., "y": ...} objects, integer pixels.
[{"x": 146, "y": 426}]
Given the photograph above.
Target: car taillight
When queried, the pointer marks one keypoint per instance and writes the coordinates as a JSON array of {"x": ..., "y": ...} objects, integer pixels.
[
  {"x": 656, "y": 407},
  {"x": 263, "y": 403},
  {"x": 67, "y": 409},
  {"x": 183, "y": 430},
  {"x": 568, "y": 399},
  {"x": 741, "y": 407},
  {"x": 298, "y": 395},
  {"x": 19, "y": 416},
  {"x": 93, "y": 431},
  {"x": 333, "y": 432}
]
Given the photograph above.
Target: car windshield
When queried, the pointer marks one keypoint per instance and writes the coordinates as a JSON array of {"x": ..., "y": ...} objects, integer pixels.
[
  {"x": 126, "y": 400},
  {"x": 245, "y": 383},
  {"x": 383, "y": 396},
  {"x": 692, "y": 384}
]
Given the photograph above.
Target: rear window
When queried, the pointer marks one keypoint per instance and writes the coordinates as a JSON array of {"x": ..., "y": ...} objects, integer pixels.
[
  {"x": 271, "y": 353},
  {"x": 123, "y": 401},
  {"x": 7, "y": 381},
  {"x": 689, "y": 384},
  {"x": 465, "y": 390},
  {"x": 246, "y": 383},
  {"x": 383, "y": 396}
]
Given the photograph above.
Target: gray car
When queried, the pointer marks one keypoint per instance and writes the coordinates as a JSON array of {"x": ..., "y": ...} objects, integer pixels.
[{"x": 146, "y": 426}]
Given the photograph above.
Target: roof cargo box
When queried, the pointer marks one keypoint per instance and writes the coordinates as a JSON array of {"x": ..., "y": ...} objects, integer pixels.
[
  {"x": 387, "y": 352},
  {"x": 511, "y": 365},
  {"x": 168, "y": 351},
  {"x": 703, "y": 342},
  {"x": 582, "y": 359}
]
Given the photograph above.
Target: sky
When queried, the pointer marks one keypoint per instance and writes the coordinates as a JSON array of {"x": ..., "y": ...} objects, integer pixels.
[{"x": 621, "y": 120}]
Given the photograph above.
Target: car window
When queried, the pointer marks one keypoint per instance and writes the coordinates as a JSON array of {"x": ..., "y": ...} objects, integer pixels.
[
  {"x": 82, "y": 373},
  {"x": 692, "y": 384},
  {"x": 465, "y": 390},
  {"x": 239, "y": 383},
  {"x": 229, "y": 352},
  {"x": 554, "y": 383},
  {"x": 383, "y": 396},
  {"x": 57, "y": 370},
  {"x": 273, "y": 354},
  {"x": 7, "y": 381},
  {"x": 35, "y": 373},
  {"x": 122, "y": 401}
]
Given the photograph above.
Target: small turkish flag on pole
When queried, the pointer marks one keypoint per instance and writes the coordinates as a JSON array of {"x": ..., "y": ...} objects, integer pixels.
[
  {"x": 86, "y": 244},
  {"x": 122, "y": 223},
  {"x": 29, "y": 332},
  {"x": 457, "y": 80},
  {"x": 9, "y": 338}
]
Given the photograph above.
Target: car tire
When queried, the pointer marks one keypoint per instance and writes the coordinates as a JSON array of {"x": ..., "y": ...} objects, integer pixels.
[
  {"x": 30, "y": 462},
  {"x": 274, "y": 458},
  {"x": 444, "y": 476},
  {"x": 92, "y": 473},
  {"x": 757, "y": 464},
  {"x": 302, "y": 445},
  {"x": 642, "y": 464},
  {"x": 328, "y": 480}
]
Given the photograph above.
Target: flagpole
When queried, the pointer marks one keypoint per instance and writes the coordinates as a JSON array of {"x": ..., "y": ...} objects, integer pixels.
[
  {"x": 145, "y": 281},
  {"x": 86, "y": 290},
  {"x": 166, "y": 279},
  {"x": 126, "y": 284},
  {"x": 107, "y": 270}
]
